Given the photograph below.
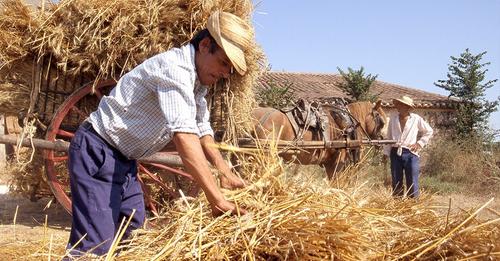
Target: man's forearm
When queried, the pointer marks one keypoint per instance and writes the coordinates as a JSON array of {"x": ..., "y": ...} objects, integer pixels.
[
  {"x": 189, "y": 147},
  {"x": 213, "y": 154}
]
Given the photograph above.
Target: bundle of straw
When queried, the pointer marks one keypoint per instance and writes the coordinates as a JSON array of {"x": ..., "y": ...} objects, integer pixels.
[
  {"x": 296, "y": 216},
  {"x": 301, "y": 217},
  {"x": 97, "y": 39},
  {"x": 56, "y": 47}
]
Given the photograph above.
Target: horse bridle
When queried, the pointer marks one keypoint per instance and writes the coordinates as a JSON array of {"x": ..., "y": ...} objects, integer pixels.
[
  {"x": 378, "y": 121},
  {"x": 376, "y": 116}
]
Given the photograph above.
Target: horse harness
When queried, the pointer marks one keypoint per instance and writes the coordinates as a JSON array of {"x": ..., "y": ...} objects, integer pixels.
[
  {"x": 310, "y": 116},
  {"x": 305, "y": 115}
]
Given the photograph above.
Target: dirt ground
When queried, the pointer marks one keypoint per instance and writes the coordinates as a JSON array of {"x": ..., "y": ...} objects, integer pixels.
[
  {"x": 460, "y": 202},
  {"x": 29, "y": 222}
]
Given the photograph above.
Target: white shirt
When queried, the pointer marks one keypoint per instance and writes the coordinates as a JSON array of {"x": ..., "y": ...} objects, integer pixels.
[
  {"x": 150, "y": 103},
  {"x": 408, "y": 136}
]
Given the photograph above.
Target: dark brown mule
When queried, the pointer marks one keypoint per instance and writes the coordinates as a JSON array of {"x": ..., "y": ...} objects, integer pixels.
[{"x": 371, "y": 120}]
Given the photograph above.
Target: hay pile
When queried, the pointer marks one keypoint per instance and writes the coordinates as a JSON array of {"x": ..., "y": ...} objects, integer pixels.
[
  {"x": 300, "y": 217},
  {"x": 95, "y": 39},
  {"x": 26, "y": 176},
  {"x": 48, "y": 52},
  {"x": 297, "y": 216}
]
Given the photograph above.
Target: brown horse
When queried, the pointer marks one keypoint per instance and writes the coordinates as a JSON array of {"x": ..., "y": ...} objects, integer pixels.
[{"x": 369, "y": 119}]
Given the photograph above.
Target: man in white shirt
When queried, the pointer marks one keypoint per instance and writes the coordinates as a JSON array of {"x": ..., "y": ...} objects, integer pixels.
[
  {"x": 404, "y": 127},
  {"x": 158, "y": 102}
]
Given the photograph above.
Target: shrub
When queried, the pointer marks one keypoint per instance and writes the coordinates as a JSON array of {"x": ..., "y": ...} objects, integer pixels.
[
  {"x": 467, "y": 163},
  {"x": 276, "y": 96}
]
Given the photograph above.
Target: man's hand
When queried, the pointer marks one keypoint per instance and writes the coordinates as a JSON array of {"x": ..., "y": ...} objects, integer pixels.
[
  {"x": 223, "y": 206},
  {"x": 192, "y": 154},
  {"x": 415, "y": 147},
  {"x": 229, "y": 180},
  {"x": 384, "y": 159}
]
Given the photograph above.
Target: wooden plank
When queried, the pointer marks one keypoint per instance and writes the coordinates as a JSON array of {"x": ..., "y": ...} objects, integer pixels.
[
  {"x": 60, "y": 145},
  {"x": 12, "y": 125}
]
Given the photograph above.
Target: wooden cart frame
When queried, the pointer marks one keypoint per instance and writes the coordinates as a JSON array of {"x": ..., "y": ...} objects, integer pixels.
[{"x": 77, "y": 107}]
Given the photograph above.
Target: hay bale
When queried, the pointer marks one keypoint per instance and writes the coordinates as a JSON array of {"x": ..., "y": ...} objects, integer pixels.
[
  {"x": 98, "y": 39},
  {"x": 302, "y": 217},
  {"x": 47, "y": 53}
]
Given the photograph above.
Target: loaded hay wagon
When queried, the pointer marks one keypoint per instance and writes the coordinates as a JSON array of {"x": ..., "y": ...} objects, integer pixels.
[
  {"x": 54, "y": 60},
  {"x": 58, "y": 60},
  {"x": 61, "y": 120}
]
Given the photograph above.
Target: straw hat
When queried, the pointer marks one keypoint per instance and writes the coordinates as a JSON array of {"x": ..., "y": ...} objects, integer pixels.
[
  {"x": 405, "y": 100},
  {"x": 234, "y": 35}
]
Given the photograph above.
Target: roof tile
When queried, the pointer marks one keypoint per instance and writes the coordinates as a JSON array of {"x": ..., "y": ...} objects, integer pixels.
[{"x": 320, "y": 86}]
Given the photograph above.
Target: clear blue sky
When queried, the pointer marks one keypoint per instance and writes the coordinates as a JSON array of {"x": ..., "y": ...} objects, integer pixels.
[{"x": 404, "y": 42}]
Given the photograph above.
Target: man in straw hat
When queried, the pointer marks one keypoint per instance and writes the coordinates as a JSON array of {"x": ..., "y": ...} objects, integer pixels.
[
  {"x": 160, "y": 101},
  {"x": 404, "y": 127}
]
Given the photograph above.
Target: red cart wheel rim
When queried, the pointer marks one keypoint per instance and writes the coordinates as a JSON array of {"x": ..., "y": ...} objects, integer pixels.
[
  {"x": 63, "y": 125},
  {"x": 76, "y": 108}
]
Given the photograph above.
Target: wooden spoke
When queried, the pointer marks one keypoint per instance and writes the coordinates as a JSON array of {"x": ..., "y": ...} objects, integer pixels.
[
  {"x": 64, "y": 133},
  {"x": 59, "y": 159},
  {"x": 98, "y": 93},
  {"x": 147, "y": 196},
  {"x": 174, "y": 170}
]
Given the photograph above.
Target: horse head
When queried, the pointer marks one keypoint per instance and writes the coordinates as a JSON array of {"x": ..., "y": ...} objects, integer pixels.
[{"x": 371, "y": 118}]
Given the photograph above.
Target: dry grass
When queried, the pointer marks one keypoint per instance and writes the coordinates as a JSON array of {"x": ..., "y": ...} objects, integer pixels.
[
  {"x": 298, "y": 216},
  {"x": 467, "y": 166}
]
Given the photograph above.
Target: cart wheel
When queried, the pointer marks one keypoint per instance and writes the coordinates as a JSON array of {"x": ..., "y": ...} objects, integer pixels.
[{"x": 76, "y": 108}]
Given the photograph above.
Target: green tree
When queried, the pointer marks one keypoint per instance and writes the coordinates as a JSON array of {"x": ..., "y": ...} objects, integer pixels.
[
  {"x": 466, "y": 81},
  {"x": 357, "y": 85},
  {"x": 276, "y": 96}
]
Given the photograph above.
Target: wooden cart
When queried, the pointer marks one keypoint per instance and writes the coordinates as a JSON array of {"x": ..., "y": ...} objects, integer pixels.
[{"x": 78, "y": 105}]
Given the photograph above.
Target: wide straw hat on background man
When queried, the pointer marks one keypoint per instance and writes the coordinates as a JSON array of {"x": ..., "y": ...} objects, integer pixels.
[
  {"x": 233, "y": 35},
  {"x": 404, "y": 100}
]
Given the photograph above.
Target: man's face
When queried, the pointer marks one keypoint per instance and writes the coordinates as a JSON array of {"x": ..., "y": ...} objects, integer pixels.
[
  {"x": 401, "y": 107},
  {"x": 211, "y": 67}
]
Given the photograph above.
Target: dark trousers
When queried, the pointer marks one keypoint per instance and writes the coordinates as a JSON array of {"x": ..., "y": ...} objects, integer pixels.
[
  {"x": 104, "y": 190},
  {"x": 408, "y": 166}
]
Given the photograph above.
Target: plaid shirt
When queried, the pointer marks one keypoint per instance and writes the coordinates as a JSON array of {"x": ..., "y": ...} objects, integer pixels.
[{"x": 150, "y": 103}]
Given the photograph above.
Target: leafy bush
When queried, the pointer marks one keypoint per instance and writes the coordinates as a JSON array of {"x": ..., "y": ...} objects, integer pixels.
[
  {"x": 357, "y": 85},
  {"x": 471, "y": 164},
  {"x": 276, "y": 96}
]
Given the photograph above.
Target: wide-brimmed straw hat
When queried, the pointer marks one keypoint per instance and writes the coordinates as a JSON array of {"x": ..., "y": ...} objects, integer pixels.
[
  {"x": 404, "y": 100},
  {"x": 233, "y": 35}
]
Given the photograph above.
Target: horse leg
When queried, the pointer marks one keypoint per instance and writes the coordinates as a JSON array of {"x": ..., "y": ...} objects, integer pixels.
[{"x": 335, "y": 164}]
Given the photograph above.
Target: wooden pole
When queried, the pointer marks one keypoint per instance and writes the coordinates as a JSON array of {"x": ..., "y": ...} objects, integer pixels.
[
  {"x": 251, "y": 143},
  {"x": 59, "y": 145}
]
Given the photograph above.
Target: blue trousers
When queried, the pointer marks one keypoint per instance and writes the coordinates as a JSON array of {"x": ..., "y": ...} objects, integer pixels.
[
  {"x": 408, "y": 166},
  {"x": 104, "y": 190}
]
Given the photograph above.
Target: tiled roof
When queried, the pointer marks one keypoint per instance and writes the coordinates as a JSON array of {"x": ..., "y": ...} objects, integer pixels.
[{"x": 324, "y": 86}]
